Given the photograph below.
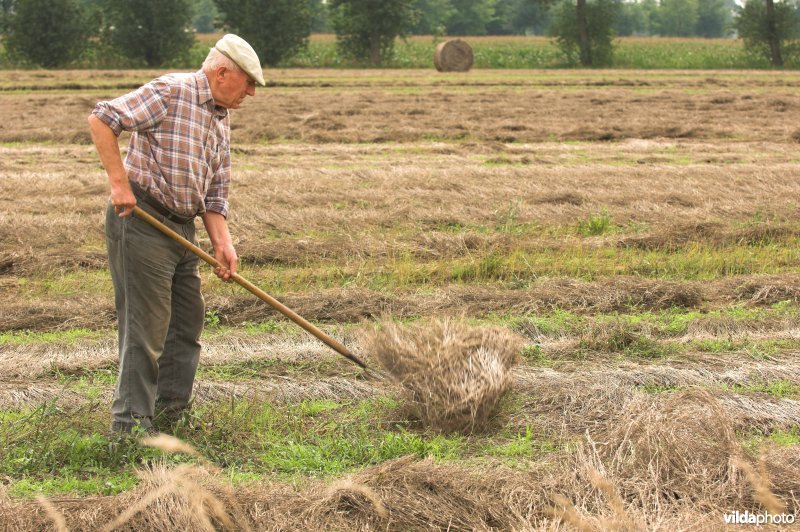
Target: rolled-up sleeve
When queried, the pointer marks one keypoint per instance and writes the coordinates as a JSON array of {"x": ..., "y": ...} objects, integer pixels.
[
  {"x": 217, "y": 196},
  {"x": 139, "y": 110}
]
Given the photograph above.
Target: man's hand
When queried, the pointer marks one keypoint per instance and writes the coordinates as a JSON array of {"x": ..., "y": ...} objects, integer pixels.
[
  {"x": 105, "y": 141},
  {"x": 122, "y": 198},
  {"x": 226, "y": 255},
  {"x": 217, "y": 228}
]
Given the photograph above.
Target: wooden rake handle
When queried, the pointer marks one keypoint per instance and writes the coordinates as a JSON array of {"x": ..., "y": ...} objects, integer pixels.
[{"x": 274, "y": 303}]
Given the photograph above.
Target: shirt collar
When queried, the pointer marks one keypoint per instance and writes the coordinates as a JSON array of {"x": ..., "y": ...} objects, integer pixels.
[{"x": 204, "y": 96}]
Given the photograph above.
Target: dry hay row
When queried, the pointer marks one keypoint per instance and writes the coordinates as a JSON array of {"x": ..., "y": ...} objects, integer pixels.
[
  {"x": 64, "y": 256},
  {"x": 408, "y": 197},
  {"x": 19, "y": 395},
  {"x": 569, "y": 403},
  {"x": 37, "y": 360},
  {"x": 608, "y": 295},
  {"x": 700, "y": 371},
  {"x": 435, "y": 245},
  {"x": 78, "y": 164},
  {"x": 665, "y": 464},
  {"x": 380, "y": 115},
  {"x": 76, "y": 357},
  {"x": 556, "y": 400}
]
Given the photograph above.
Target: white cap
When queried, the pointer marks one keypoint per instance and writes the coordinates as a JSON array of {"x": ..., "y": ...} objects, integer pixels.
[{"x": 237, "y": 50}]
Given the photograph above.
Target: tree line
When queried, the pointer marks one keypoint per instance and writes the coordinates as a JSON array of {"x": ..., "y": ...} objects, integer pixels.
[{"x": 152, "y": 33}]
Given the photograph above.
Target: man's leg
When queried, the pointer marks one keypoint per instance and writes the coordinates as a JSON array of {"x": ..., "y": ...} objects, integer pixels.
[
  {"x": 142, "y": 263},
  {"x": 178, "y": 363}
]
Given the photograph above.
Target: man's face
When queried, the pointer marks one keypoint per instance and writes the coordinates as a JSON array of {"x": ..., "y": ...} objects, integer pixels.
[{"x": 232, "y": 87}]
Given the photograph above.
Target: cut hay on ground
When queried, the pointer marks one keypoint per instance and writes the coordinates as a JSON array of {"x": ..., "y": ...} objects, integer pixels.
[
  {"x": 663, "y": 463},
  {"x": 351, "y": 305},
  {"x": 672, "y": 464},
  {"x": 453, "y": 374},
  {"x": 571, "y": 402},
  {"x": 453, "y": 56},
  {"x": 281, "y": 391}
]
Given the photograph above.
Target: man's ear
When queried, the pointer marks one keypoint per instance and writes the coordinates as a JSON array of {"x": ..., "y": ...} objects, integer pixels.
[{"x": 221, "y": 72}]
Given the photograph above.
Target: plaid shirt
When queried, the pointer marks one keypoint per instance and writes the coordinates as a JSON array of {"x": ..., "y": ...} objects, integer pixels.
[{"x": 179, "y": 151}]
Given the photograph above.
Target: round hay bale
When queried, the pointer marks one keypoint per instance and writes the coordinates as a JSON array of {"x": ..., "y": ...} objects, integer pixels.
[
  {"x": 454, "y": 375},
  {"x": 453, "y": 56}
]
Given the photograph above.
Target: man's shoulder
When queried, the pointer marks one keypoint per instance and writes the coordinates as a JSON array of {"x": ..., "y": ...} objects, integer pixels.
[
  {"x": 181, "y": 86},
  {"x": 175, "y": 79}
]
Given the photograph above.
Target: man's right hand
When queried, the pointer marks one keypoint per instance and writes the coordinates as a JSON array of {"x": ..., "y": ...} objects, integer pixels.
[
  {"x": 122, "y": 199},
  {"x": 105, "y": 141}
]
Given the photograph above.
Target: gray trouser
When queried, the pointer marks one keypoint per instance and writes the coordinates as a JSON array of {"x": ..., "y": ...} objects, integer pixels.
[{"x": 160, "y": 312}]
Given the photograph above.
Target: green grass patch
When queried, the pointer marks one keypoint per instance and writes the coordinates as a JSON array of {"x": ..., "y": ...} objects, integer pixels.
[
  {"x": 786, "y": 438},
  {"x": 541, "y": 52},
  {"x": 534, "y": 355},
  {"x": 755, "y": 441},
  {"x": 268, "y": 368},
  {"x": 627, "y": 343},
  {"x": 517, "y": 267},
  {"x": 666, "y": 324},
  {"x": 757, "y": 348},
  {"x": 596, "y": 224},
  {"x": 68, "y": 337},
  {"x": 100, "y": 483},
  {"x": 522, "y": 445},
  {"x": 782, "y": 389},
  {"x": 53, "y": 449}
]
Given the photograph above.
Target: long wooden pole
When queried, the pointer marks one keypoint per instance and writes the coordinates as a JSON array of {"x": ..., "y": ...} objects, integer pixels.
[{"x": 250, "y": 287}]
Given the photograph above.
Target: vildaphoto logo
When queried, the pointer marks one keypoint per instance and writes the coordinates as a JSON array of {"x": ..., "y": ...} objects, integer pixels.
[{"x": 764, "y": 518}]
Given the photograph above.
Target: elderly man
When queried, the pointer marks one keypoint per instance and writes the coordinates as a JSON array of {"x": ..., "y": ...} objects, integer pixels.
[{"x": 177, "y": 168}]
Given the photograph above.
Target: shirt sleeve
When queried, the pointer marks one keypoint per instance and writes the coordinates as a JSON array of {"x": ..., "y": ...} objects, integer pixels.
[
  {"x": 139, "y": 110},
  {"x": 217, "y": 195}
]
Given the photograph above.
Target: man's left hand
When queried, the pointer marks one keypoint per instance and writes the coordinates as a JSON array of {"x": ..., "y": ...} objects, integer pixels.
[{"x": 227, "y": 257}]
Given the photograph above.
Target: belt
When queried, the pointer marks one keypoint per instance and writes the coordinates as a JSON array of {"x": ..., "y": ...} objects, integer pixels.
[{"x": 160, "y": 209}]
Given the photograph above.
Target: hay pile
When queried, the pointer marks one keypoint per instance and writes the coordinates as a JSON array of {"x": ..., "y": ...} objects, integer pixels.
[
  {"x": 454, "y": 375},
  {"x": 453, "y": 56}
]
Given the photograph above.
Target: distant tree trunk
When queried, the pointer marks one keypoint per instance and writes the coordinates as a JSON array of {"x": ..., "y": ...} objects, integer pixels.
[
  {"x": 772, "y": 35},
  {"x": 583, "y": 34},
  {"x": 375, "y": 50}
]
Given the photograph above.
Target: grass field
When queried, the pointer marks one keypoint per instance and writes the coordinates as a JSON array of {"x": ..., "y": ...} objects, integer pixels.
[
  {"x": 490, "y": 52},
  {"x": 541, "y": 52},
  {"x": 638, "y": 229}
]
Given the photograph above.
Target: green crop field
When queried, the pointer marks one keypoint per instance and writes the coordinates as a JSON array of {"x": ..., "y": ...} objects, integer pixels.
[{"x": 497, "y": 52}]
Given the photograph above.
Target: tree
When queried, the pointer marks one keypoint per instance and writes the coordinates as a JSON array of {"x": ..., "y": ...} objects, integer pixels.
[
  {"x": 584, "y": 31},
  {"x": 151, "y": 32},
  {"x": 204, "y": 15},
  {"x": 5, "y": 13},
  {"x": 319, "y": 16},
  {"x": 713, "y": 18},
  {"x": 276, "y": 29},
  {"x": 677, "y": 17},
  {"x": 632, "y": 19},
  {"x": 470, "y": 17},
  {"x": 48, "y": 33},
  {"x": 431, "y": 16},
  {"x": 519, "y": 17},
  {"x": 366, "y": 29},
  {"x": 769, "y": 29}
]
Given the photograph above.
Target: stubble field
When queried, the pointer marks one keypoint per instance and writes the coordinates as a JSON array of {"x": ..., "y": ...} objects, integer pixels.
[{"x": 638, "y": 229}]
